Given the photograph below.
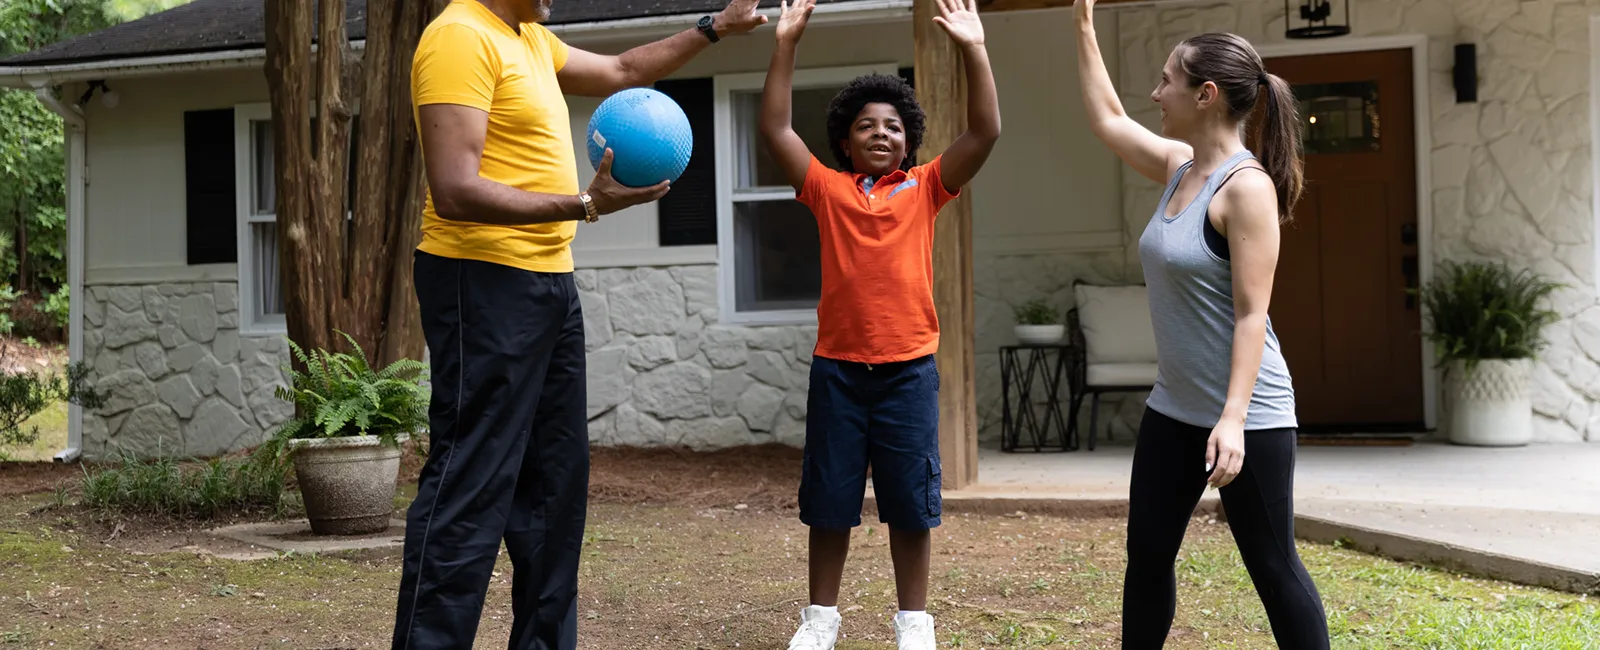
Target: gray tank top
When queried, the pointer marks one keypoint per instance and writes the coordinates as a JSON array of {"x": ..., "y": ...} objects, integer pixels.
[{"x": 1191, "y": 310}]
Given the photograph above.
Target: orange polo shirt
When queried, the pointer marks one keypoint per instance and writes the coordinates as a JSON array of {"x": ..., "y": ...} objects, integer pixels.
[{"x": 877, "y": 261}]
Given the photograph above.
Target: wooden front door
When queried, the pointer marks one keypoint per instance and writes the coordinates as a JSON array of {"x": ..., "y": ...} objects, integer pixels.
[{"x": 1350, "y": 331}]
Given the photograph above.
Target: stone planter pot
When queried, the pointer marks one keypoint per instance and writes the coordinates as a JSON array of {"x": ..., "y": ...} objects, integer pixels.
[
  {"x": 347, "y": 483},
  {"x": 1040, "y": 334},
  {"x": 1490, "y": 406}
]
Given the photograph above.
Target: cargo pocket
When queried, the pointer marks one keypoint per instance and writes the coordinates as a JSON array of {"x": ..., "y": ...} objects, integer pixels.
[{"x": 935, "y": 497}]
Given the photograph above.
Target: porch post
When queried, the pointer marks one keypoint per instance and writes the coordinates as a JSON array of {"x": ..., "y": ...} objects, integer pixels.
[{"x": 941, "y": 89}]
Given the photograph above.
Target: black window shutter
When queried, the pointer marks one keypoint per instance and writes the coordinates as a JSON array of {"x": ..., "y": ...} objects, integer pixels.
[
  {"x": 688, "y": 214},
  {"x": 211, "y": 211}
]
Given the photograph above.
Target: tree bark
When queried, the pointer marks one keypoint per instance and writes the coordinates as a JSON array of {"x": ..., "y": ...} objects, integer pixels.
[{"x": 350, "y": 275}]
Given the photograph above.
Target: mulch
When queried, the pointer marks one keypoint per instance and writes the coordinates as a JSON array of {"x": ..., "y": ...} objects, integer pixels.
[
  {"x": 19, "y": 478},
  {"x": 763, "y": 477}
]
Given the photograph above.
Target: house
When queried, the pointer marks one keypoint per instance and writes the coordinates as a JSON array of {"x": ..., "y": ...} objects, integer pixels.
[{"x": 699, "y": 309}]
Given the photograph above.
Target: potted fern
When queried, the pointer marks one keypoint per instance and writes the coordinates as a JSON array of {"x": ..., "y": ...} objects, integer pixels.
[
  {"x": 345, "y": 439},
  {"x": 1038, "y": 324},
  {"x": 1485, "y": 323}
]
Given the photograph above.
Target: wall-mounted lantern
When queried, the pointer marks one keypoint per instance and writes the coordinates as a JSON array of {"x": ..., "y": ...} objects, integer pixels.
[{"x": 1315, "y": 19}]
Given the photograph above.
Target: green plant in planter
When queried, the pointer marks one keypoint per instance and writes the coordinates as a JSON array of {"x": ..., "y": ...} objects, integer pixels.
[
  {"x": 339, "y": 394},
  {"x": 1481, "y": 310},
  {"x": 1036, "y": 312}
]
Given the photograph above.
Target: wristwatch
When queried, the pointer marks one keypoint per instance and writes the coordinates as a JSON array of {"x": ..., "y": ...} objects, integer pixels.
[
  {"x": 705, "y": 27},
  {"x": 591, "y": 213}
]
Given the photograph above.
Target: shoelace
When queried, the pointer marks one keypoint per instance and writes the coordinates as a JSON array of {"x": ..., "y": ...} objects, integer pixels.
[
  {"x": 915, "y": 630},
  {"x": 812, "y": 634}
]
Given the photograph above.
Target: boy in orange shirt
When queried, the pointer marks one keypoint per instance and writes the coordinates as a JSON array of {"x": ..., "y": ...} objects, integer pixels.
[{"x": 874, "y": 394}]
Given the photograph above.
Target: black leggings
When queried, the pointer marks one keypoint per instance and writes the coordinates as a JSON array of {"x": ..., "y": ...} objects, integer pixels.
[{"x": 1169, "y": 477}]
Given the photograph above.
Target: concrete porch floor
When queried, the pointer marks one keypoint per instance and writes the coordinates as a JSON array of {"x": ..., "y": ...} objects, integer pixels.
[{"x": 1529, "y": 514}]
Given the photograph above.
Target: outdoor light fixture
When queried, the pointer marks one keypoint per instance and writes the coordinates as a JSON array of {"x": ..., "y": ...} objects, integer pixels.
[
  {"x": 1314, "y": 19},
  {"x": 108, "y": 97}
]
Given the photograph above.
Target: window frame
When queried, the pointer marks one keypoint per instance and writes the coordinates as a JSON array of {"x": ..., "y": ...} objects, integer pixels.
[
  {"x": 244, "y": 155},
  {"x": 244, "y": 158},
  {"x": 725, "y": 86}
]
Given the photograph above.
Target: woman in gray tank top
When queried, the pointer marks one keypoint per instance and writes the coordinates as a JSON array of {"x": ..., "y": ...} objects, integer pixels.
[{"x": 1222, "y": 389}]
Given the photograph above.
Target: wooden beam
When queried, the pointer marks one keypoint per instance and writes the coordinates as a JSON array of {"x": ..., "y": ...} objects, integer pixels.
[{"x": 941, "y": 89}]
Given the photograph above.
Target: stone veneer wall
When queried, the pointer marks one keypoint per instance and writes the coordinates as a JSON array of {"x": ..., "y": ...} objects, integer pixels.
[
  {"x": 180, "y": 378},
  {"x": 663, "y": 372},
  {"x": 1511, "y": 173}
]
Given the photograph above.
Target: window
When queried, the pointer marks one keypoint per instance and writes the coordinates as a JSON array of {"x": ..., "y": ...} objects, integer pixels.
[
  {"x": 770, "y": 266},
  {"x": 1340, "y": 117},
  {"x": 260, "y": 281}
]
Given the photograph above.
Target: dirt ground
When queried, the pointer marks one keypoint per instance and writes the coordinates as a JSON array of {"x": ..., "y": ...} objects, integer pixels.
[{"x": 703, "y": 551}]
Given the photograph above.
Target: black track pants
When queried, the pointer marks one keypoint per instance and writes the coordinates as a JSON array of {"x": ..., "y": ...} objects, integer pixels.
[{"x": 508, "y": 460}]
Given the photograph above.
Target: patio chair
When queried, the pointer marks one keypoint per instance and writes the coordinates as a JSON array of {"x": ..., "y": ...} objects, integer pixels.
[{"x": 1114, "y": 343}]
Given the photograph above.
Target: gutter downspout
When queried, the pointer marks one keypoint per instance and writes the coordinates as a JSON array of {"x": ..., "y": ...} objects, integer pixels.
[{"x": 77, "y": 182}]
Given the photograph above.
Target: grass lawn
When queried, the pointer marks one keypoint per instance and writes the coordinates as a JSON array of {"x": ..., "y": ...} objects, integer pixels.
[
  {"x": 51, "y": 422},
  {"x": 673, "y": 576}
]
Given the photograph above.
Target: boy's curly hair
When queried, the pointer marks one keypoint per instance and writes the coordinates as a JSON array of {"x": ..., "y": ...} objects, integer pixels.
[{"x": 874, "y": 89}]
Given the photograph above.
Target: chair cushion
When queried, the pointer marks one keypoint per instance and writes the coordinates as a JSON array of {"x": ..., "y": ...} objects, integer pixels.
[
  {"x": 1121, "y": 374},
  {"x": 1116, "y": 324}
]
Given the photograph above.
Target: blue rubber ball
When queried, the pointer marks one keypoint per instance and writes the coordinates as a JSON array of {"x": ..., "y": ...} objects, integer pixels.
[{"x": 648, "y": 134}]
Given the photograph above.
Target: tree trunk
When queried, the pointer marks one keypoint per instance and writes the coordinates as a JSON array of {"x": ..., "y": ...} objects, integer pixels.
[{"x": 340, "y": 275}]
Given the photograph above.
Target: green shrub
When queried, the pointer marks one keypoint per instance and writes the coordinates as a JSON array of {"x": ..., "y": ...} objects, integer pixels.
[
  {"x": 57, "y": 305},
  {"x": 24, "y": 394},
  {"x": 1036, "y": 312},
  {"x": 1481, "y": 310},
  {"x": 8, "y": 297}
]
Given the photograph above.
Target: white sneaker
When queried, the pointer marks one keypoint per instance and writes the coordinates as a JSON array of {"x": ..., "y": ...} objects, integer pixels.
[
  {"x": 819, "y": 629},
  {"x": 914, "y": 631}
]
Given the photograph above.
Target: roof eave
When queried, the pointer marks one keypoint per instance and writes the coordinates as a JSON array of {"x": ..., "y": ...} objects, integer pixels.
[{"x": 46, "y": 75}]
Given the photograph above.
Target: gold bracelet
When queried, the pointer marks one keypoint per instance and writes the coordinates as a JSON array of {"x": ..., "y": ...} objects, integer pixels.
[{"x": 591, "y": 214}]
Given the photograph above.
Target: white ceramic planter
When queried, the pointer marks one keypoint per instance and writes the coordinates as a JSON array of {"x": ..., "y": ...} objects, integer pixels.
[
  {"x": 1490, "y": 406},
  {"x": 1040, "y": 334},
  {"x": 347, "y": 483}
]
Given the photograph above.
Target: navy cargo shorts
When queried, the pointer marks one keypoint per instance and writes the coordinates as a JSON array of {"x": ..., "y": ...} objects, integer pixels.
[{"x": 885, "y": 416}]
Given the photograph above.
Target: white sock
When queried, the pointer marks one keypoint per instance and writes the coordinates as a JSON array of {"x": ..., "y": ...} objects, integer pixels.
[
  {"x": 830, "y": 611},
  {"x": 909, "y": 614}
]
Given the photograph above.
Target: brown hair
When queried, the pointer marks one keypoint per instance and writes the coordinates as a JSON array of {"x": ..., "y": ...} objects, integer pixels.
[{"x": 1231, "y": 63}]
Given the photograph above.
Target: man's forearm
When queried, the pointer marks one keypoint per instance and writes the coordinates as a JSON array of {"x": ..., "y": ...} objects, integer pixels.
[
  {"x": 652, "y": 62},
  {"x": 481, "y": 200}
]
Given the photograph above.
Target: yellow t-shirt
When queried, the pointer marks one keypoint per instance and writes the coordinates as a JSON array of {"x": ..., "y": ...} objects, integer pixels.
[{"x": 471, "y": 57}]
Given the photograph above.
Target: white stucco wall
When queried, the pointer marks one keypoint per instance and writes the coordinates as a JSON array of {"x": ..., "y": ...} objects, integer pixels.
[
  {"x": 1511, "y": 173},
  {"x": 134, "y": 207}
]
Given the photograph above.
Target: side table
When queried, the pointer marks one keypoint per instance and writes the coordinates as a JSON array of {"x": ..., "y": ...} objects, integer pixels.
[{"x": 1021, "y": 367}]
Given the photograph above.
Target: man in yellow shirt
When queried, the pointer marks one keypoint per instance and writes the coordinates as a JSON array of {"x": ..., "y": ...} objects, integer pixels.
[{"x": 509, "y": 452}]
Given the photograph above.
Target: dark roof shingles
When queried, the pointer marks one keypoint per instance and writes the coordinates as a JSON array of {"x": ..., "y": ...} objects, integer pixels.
[{"x": 223, "y": 25}]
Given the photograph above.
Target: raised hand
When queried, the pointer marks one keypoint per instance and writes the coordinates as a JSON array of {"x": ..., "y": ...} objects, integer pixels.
[
  {"x": 959, "y": 18},
  {"x": 738, "y": 17},
  {"x": 610, "y": 196},
  {"x": 792, "y": 22}
]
